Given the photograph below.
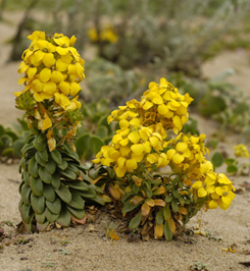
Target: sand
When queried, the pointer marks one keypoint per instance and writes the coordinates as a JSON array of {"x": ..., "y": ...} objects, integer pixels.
[{"x": 83, "y": 247}]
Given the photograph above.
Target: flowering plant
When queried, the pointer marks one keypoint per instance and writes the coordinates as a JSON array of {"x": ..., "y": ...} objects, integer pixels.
[
  {"x": 54, "y": 187},
  {"x": 160, "y": 203}
]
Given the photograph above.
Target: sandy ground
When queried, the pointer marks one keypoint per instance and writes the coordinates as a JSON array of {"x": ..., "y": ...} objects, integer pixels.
[{"x": 85, "y": 249}]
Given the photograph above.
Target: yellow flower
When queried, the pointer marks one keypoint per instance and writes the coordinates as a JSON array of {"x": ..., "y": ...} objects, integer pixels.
[
  {"x": 52, "y": 69},
  {"x": 241, "y": 151}
]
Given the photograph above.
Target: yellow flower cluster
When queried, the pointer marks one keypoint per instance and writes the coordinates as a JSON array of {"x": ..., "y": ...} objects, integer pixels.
[
  {"x": 218, "y": 188},
  {"x": 132, "y": 144},
  {"x": 52, "y": 69},
  {"x": 187, "y": 151},
  {"x": 241, "y": 151},
  {"x": 107, "y": 35},
  {"x": 161, "y": 103},
  {"x": 142, "y": 134}
]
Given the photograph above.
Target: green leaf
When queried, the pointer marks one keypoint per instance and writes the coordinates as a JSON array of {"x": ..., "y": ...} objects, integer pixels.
[
  {"x": 167, "y": 232},
  {"x": 74, "y": 168},
  {"x": 54, "y": 207},
  {"x": 78, "y": 185},
  {"x": 40, "y": 218},
  {"x": 20, "y": 187},
  {"x": 166, "y": 212},
  {"x": 63, "y": 165},
  {"x": 33, "y": 167},
  {"x": 90, "y": 194},
  {"x": 39, "y": 160},
  {"x": 229, "y": 161},
  {"x": 50, "y": 166},
  {"x": 50, "y": 216},
  {"x": 44, "y": 155},
  {"x": 102, "y": 131},
  {"x": 36, "y": 185},
  {"x": 217, "y": 159},
  {"x": 23, "y": 163},
  {"x": 49, "y": 192},
  {"x": 76, "y": 201},
  {"x": 25, "y": 193},
  {"x": 95, "y": 144},
  {"x": 129, "y": 207},
  {"x": 175, "y": 194},
  {"x": 13, "y": 136},
  {"x": 26, "y": 177},
  {"x": 57, "y": 157},
  {"x": 232, "y": 169},
  {"x": 45, "y": 175},
  {"x": 26, "y": 213},
  {"x": 79, "y": 214},
  {"x": 68, "y": 173},
  {"x": 98, "y": 200},
  {"x": 212, "y": 105},
  {"x": 64, "y": 193},
  {"x": 17, "y": 146},
  {"x": 56, "y": 182},
  {"x": 8, "y": 152},
  {"x": 175, "y": 207},
  {"x": 38, "y": 204},
  {"x": 39, "y": 143},
  {"x": 159, "y": 217},
  {"x": 82, "y": 144},
  {"x": 168, "y": 198},
  {"x": 135, "y": 222},
  {"x": 64, "y": 218},
  {"x": 43, "y": 226}
]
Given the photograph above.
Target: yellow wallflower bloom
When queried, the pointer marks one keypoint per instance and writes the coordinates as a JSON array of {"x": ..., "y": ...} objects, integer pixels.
[
  {"x": 52, "y": 68},
  {"x": 241, "y": 151}
]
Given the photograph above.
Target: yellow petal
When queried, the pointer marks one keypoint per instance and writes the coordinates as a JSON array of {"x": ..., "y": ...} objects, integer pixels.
[
  {"x": 45, "y": 75},
  {"x": 202, "y": 192},
  {"x": 147, "y": 105},
  {"x": 131, "y": 164},
  {"x": 137, "y": 149},
  {"x": 31, "y": 72},
  {"x": 37, "y": 85},
  {"x": 120, "y": 171},
  {"x": 162, "y": 109},
  {"x": 62, "y": 51},
  {"x": 49, "y": 87},
  {"x": 64, "y": 87},
  {"x": 56, "y": 76},
  {"x": 134, "y": 137},
  {"x": 74, "y": 88},
  {"x": 47, "y": 123},
  {"x": 64, "y": 100},
  {"x": 197, "y": 185},
  {"x": 155, "y": 98},
  {"x": 181, "y": 146},
  {"x": 49, "y": 60},
  {"x": 212, "y": 204},
  {"x": 177, "y": 158},
  {"x": 61, "y": 66},
  {"x": 154, "y": 141}
]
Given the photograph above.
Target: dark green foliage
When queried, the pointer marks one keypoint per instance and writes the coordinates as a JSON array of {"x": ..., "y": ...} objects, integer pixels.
[{"x": 50, "y": 189}]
